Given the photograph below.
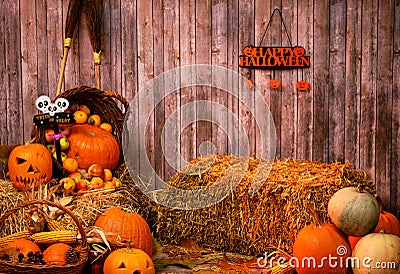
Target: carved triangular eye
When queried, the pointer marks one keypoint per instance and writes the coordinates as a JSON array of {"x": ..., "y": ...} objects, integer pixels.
[
  {"x": 136, "y": 272},
  {"x": 20, "y": 161},
  {"x": 30, "y": 169},
  {"x": 122, "y": 266}
]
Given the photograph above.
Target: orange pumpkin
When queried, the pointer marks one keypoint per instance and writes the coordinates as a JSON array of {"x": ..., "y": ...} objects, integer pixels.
[
  {"x": 302, "y": 85},
  {"x": 56, "y": 254},
  {"x": 273, "y": 83},
  {"x": 127, "y": 260},
  {"x": 24, "y": 246},
  {"x": 249, "y": 51},
  {"x": 126, "y": 227},
  {"x": 90, "y": 144},
  {"x": 320, "y": 241},
  {"x": 299, "y": 51},
  {"x": 388, "y": 223},
  {"x": 30, "y": 165}
]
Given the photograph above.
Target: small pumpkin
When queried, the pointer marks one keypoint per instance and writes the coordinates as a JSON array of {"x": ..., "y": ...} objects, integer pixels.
[
  {"x": 249, "y": 51},
  {"x": 388, "y": 223},
  {"x": 90, "y": 144},
  {"x": 124, "y": 227},
  {"x": 354, "y": 212},
  {"x": 377, "y": 248},
  {"x": 56, "y": 254},
  {"x": 302, "y": 85},
  {"x": 299, "y": 51},
  {"x": 30, "y": 165},
  {"x": 24, "y": 246},
  {"x": 274, "y": 83},
  {"x": 353, "y": 240},
  {"x": 320, "y": 240},
  {"x": 128, "y": 260}
]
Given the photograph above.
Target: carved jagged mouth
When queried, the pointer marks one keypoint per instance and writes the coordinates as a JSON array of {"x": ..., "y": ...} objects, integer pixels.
[{"x": 29, "y": 181}]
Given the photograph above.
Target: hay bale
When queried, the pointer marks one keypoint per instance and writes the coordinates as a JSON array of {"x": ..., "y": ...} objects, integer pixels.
[{"x": 264, "y": 222}]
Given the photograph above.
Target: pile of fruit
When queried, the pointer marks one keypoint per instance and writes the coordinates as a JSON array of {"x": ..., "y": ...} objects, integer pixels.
[{"x": 89, "y": 152}]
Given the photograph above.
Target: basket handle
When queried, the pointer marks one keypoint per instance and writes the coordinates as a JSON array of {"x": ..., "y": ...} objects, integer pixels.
[
  {"x": 119, "y": 97},
  {"x": 8, "y": 212}
]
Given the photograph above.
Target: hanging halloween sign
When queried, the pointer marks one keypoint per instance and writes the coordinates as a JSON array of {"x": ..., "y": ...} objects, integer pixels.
[{"x": 53, "y": 114}]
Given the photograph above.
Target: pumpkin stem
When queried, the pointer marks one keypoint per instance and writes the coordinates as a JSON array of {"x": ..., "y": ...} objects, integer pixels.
[{"x": 314, "y": 216}]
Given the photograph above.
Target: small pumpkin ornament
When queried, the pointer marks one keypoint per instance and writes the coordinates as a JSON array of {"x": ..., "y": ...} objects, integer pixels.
[
  {"x": 90, "y": 144},
  {"x": 123, "y": 227},
  {"x": 377, "y": 249},
  {"x": 318, "y": 241},
  {"x": 274, "y": 83},
  {"x": 302, "y": 85},
  {"x": 24, "y": 246},
  {"x": 30, "y": 165},
  {"x": 353, "y": 211},
  {"x": 388, "y": 223},
  {"x": 128, "y": 260}
]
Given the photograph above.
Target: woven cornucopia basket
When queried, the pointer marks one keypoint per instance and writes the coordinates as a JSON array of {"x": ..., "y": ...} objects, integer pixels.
[
  {"x": 73, "y": 268},
  {"x": 101, "y": 102}
]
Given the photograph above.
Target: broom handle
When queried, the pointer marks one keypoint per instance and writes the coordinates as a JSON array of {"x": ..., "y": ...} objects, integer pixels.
[
  {"x": 97, "y": 68},
  {"x": 62, "y": 70}
]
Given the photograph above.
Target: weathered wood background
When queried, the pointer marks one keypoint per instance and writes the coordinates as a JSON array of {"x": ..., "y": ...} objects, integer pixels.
[{"x": 349, "y": 114}]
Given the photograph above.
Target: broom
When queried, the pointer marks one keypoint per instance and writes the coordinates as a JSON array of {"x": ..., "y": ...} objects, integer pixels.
[
  {"x": 94, "y": 10},
  {"x": 70, "y": 24}
]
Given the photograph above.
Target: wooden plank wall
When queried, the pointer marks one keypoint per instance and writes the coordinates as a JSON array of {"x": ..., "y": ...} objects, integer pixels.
[{"x": 350, "y": 114}]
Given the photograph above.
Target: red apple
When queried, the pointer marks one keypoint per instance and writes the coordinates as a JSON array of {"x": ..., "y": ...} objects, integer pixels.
[
  {"x": 96, "y": 170},
  {"x": 76, "y": 176},
  {"x": 82, "y": 184},
  {"x": 107, "y": 175}
]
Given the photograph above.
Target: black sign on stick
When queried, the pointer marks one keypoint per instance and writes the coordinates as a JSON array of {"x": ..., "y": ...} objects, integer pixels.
[{"x": 53, "y": 114}]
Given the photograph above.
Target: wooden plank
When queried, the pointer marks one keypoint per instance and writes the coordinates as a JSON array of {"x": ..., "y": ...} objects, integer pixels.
[
  {"x": 246, "y": 37},
  {"x": 42, "y": 53},
  {"x": 305, "y": 99},
  {"x": 115, "y": 48},
  {"x": 110, "y": 32},
  {"x": 86, "y": 75},
  {"x": 320, "y": 86},
  {"x": 289, "y": 123},
  {"x": 55, "y": 43},
  {"x": 384, "y": 100},
  {"x": 395, "y": 141},
  {"x": 187, "y": 56},
  {"x": 3, "y": 76},
  {"x": 145, "y": 74},
  {"x": 29, "y": 65},
  {"x": 232, "y": 64},
  {"x": 172, "y": 114},
  {"x": 337, "y": 80},
  {"x": 261, "y": 77},
  {"x": 353, "y": 70},
  {"x": 158, "y": 60},
  {"x": 368, "y": 87},
  {"x": 219, "y": 23}
]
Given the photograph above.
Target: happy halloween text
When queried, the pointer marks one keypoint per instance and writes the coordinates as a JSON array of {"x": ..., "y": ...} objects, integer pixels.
[{"x": 274, "y": 57}]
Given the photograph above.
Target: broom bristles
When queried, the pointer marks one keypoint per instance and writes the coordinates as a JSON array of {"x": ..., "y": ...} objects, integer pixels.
[
  {"x": 73, "y": 13},
  {"x": 94, "y": 10}
]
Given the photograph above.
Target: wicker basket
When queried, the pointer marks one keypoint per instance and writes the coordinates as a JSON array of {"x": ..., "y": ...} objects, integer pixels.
[
  {"x": 12, "y": 267},
  {"x": 100, "y": 102}
]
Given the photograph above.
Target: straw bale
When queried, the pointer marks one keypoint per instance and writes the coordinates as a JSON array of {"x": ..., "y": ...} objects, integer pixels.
[{"x": 265, "y": 221}]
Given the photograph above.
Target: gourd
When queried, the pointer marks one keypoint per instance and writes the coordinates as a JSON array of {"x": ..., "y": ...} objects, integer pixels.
[{"x": 388, "y": 223}]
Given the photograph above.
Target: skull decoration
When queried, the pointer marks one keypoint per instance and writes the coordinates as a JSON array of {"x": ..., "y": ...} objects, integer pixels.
[
  {"x": 127, "y": 260},
  {"x": 62, "y": 104},
  {"x": 44, "y": 104},
  {"x": 30, "y": 165}
]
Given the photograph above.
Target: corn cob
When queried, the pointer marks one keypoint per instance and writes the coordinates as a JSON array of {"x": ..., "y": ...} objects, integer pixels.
[
  {"x": 54, "y": 225},
  {"x": 51, "y": 237},
  {"x": 282, "y": 269},
  {"x": 24, "y": 234}
]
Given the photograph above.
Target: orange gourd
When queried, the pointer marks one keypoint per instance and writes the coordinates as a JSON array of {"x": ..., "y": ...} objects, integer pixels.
[
  {"x": 318, "y": 241},
  {"x": 123, "y": 227},
  {"x": 128, "y": 260},
  {"x": 30, "y": 165},
  {"x": 90, "y": 144},
  {"x": 56, "y": 254},
  {"x": 24, "y": 246},
  {"x": 388, "y": 223}
]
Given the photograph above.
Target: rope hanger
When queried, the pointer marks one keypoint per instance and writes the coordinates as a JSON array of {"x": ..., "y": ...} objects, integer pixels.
[{"x": 269, "y": 23}]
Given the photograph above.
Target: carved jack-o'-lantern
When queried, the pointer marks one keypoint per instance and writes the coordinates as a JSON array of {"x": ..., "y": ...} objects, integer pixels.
[
  {"x": 30, "y": 165},
  {"x": 302, "y": 85},
  {"x": 273, "y": 83},
  {"x": 249, "y": 51},
  {"x": 299, "y": 51},
  {"x": 127, "y": 260}
]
